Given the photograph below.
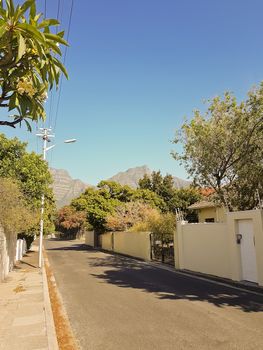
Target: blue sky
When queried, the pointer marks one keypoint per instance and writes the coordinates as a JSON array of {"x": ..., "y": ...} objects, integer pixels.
[{"x": 137, "y": 68}]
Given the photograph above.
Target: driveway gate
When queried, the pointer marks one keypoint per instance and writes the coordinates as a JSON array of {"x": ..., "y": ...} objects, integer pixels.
[{"x": 162, "y": 248}]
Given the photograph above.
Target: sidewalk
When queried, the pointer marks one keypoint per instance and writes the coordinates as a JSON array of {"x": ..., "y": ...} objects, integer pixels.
[{"x": 26, "y": 321}]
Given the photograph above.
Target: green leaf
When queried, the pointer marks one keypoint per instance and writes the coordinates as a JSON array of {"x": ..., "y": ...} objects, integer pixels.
[
  {"x": 29, "y": 128},
  {"x": 61, "y": 34},
  {"x": 61, "y": 67},
  {"x": 32, "y": 31},
  {"x": 2, "y": 13},
  {"x": 21, "y": 47},
  {"x": 48, "y": 22},
  {"x": 54, "y": 47},
  {"x": 23, "y": 103},
  {"x": 40, "y": 49},
  {"x": 13, "y": 102},
  {"x": 10, "y": 7},
  {"x": 56, "y": 38},
  {"x": 2, "y": 30},
  {"x": 37, "y": 17},
  {"x": 26, "y": 6},
  {"x": 33, "y": 10}
]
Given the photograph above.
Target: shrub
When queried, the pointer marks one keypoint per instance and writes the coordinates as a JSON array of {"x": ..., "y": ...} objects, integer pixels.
[
  {"x": 129, "y": 215},
  {"x": 15, "y": 214},
  {"x": 164, "y": 225}
]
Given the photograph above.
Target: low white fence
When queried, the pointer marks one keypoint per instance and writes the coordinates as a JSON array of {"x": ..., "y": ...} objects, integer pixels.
[{"x": 21, "y": 249}]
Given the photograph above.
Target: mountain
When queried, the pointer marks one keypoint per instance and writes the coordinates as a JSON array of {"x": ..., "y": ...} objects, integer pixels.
[
  {"x": 132, "y": 176},
  {"x": 65, "y": 188}
]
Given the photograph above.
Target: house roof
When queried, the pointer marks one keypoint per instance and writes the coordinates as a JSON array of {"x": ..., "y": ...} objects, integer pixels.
[
  {"x": 203, "y": 204},
  {"x": 206, "y": 191}
]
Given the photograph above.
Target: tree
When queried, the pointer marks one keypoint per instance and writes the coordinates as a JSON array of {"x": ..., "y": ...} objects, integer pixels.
[
  {"x": 170, "y": 197},
  {"x": 223, "y": 149},
  {"x": 96, "y": 207},
  {"x": 112, "y": 189},
  {"x": 162, "y": 186},
  {"x": 29, "y": 65},
  {"x": 15, "y": 214},
  {"x": 182, "y": 198},
  {"x": 70, "y": 221},
  {"x": 128, "y": 215},
  {"x": 150, "y": 198},
  {"x": 31, "y": 174}
]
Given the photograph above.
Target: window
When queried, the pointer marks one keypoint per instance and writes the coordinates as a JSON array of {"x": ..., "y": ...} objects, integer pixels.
[{"x": 210, "y": 220}]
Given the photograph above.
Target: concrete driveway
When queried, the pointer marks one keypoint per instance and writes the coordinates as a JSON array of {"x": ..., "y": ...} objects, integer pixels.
[{"x": 114, "y": 302}]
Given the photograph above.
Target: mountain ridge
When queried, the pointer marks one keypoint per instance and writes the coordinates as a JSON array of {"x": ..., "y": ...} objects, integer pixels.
[
  {"x": 132, "y": 176},
  {"x": 66, "y": 188}
]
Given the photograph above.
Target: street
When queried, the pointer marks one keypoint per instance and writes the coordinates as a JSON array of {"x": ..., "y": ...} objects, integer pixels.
[{"x": 114, "y": 302}]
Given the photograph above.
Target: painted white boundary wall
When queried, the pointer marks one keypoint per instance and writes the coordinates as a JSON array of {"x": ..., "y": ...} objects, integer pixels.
[
  {"x": 136, "y": 244},
  {"x": 107, "y": 241},
  {"x": 89, "y": 238},
  {"x": 11, "y": 250},
  {"x": 21, "y": 249},
  {"x": 212, "y": 248}
]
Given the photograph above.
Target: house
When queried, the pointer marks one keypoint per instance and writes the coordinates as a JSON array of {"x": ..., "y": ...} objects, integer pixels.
[{"x": 209, "y": 211}]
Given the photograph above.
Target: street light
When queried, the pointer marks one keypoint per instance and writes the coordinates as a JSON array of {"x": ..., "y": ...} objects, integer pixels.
[
  {"x": 70, "y": 141},
  {"x": 45, "y": 135}
]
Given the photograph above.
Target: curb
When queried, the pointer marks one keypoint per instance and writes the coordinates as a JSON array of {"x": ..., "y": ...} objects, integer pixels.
[{"x": 51, "y": 331}]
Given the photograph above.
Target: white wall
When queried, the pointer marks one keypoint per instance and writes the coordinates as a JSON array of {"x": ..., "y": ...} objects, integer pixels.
[
  {"x": 107, "y": 241},
  {"x": 212, "y": 248},
  {"x": 7, "y": 253},
  {"x": 204, "y": 248},
  {"x": 135, "y": 244},
  {"x": 89, "y": 238}
]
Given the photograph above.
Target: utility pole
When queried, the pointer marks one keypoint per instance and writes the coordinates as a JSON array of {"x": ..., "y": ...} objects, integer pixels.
[{"x": 45, "y": 134}]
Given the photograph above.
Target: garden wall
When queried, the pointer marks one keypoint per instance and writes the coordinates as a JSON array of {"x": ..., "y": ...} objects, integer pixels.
[
  {"x": 7, "y": 253},
  {"x": 89, "y": 238},
  {"x": 232, "y": 250},
  {"x": 107, "y": 241},
  {"x": 204, "y": 248},
  {"x": 136, "y": 244}
]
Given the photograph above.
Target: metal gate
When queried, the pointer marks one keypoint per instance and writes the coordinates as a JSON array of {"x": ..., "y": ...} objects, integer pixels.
[{"x": 162, "y": 248}]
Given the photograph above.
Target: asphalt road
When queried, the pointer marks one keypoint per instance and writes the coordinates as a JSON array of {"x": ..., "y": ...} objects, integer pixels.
[{"x": 114, "y": 302}]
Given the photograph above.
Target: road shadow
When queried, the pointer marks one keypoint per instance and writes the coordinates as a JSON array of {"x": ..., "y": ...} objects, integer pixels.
[
  {"x": 129, "y": 273},
  {"x": 126, "y": 272},
  {"x": 76, "y": 246}
]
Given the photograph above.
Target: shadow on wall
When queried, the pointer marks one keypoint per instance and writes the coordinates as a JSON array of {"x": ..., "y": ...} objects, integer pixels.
[{"x": 129, "y": 273}]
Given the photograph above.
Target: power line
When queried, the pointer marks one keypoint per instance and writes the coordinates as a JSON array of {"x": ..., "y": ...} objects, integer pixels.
[
  {"x": 50, "y": 117},
  {"x": 45, "y": 8},
  {"x": 64, "y": 61},
  {"x": 58, "y": 9},
  {"x": 60, "y": 15},
  {"x": 50, "y": 114}
]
